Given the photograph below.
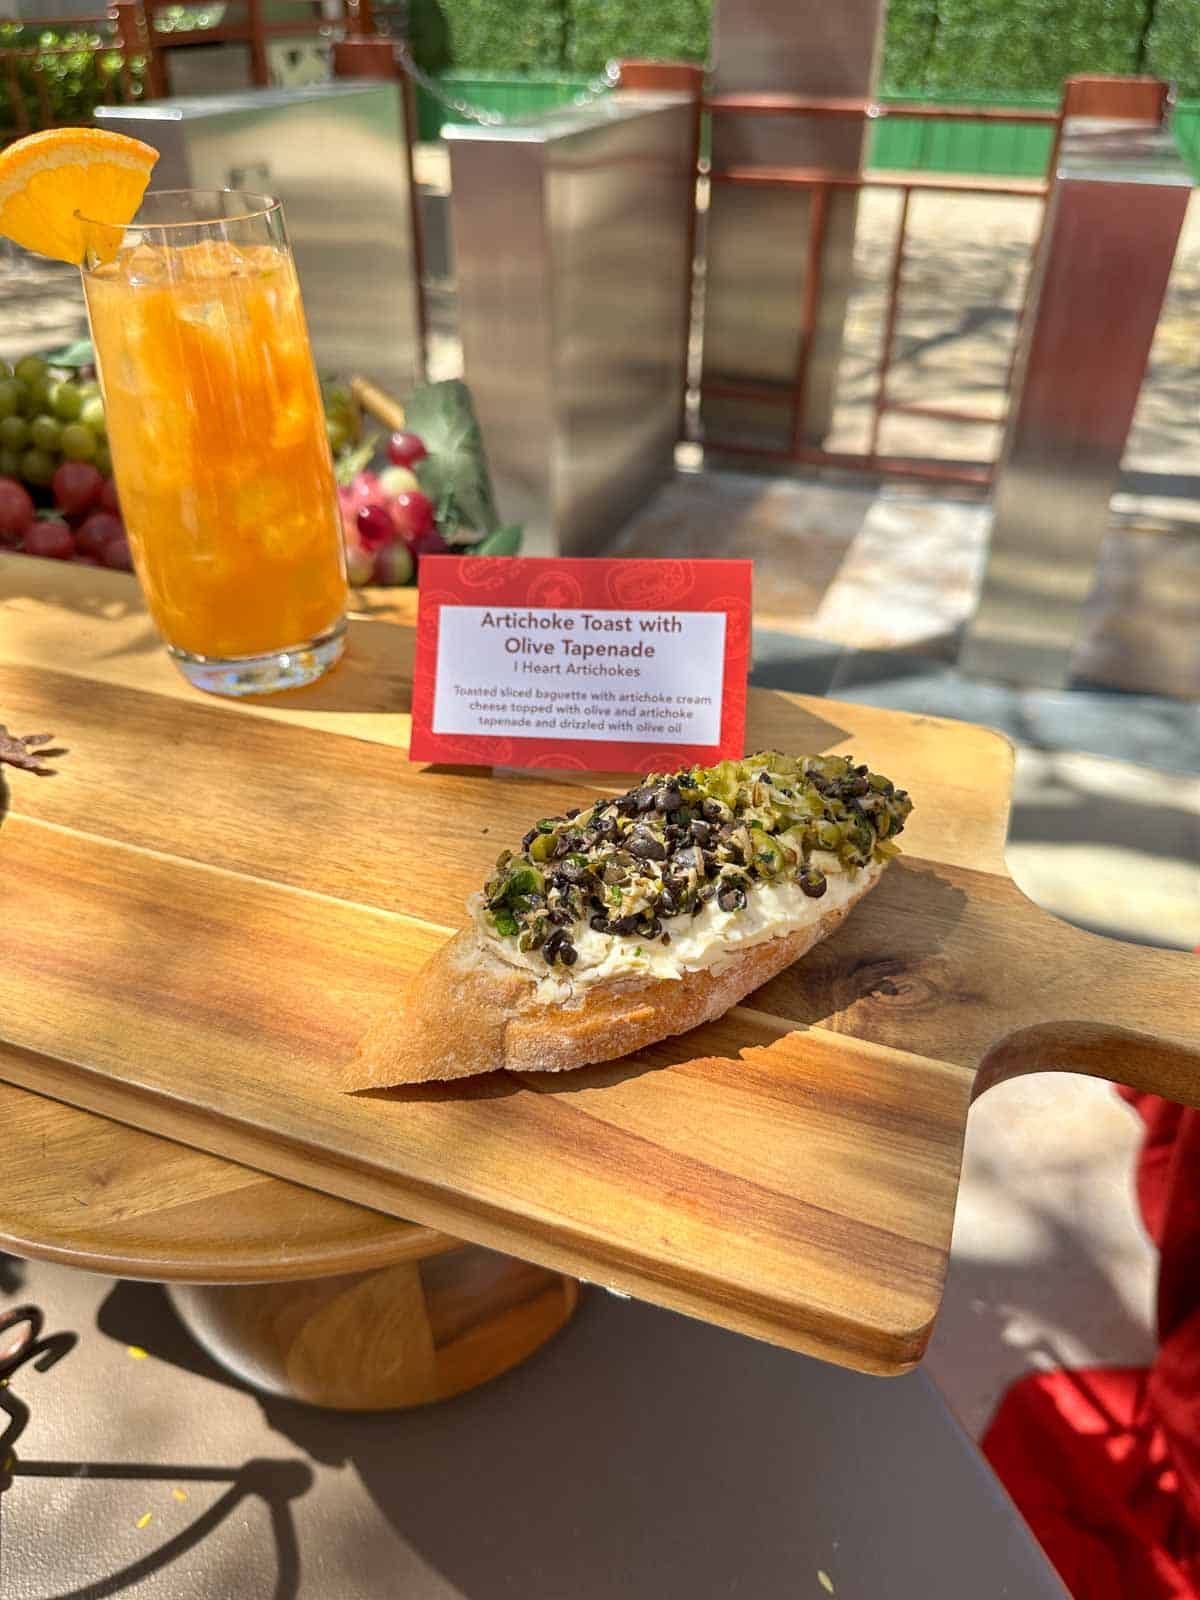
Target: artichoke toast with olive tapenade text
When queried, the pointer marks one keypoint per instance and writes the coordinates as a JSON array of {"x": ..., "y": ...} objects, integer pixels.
[{"x": 642, "y": 916}]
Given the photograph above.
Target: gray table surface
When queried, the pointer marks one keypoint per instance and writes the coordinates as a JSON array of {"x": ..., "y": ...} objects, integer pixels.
[{"x": 639, "y": 1454}]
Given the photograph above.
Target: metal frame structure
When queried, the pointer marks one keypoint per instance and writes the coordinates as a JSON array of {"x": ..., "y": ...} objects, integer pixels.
[
  {"x": 1136, "y": 99},
  {"x": 819, "y": 182}
]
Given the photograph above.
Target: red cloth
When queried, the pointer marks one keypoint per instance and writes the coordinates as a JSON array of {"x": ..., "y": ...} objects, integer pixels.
[{"x": 1104, "y": 1464}]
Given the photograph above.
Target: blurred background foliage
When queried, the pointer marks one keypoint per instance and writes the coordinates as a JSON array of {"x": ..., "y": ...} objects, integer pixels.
[{"x": 962, "y": 47}]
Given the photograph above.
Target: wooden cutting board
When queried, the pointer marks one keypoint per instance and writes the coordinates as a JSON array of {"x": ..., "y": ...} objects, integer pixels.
[{"x": 205, "y": 906}]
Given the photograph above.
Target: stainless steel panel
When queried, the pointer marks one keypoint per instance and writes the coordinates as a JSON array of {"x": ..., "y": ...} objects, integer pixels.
[
  {"x": 1112, "y": 226},
  {"x": 334, "y": 154},
  {"x": 570, "y": 240},
  {"x": 756, "y": 238}
]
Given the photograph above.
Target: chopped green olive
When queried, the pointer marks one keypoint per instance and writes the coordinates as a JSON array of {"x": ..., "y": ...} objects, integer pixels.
[{"x": 680, "y": 841}]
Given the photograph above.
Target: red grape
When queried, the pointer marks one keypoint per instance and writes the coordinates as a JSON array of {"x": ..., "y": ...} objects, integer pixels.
[
  {"x": 76, "y": 485},
  {"x": 16, "y": 508},
  {"x": 51, "y": 538},
  {"x": 116, "y": 555},
  {"x": 98, "y": 530},
  {"x": 405, "y": 448},
  {"x": 374, "y": 527},
  {"x": 108, "y": 497},
  {"x": 412, "y": 513},
  {"x": 365, "y": 490},
  {"x": 393, "y": 565}
]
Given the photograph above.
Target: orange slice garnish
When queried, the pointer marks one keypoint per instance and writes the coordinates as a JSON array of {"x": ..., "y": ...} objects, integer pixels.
[{"x": 50, "y": 181}]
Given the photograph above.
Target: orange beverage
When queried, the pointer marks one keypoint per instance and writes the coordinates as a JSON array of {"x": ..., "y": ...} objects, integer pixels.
[{"x": 218, "y": 441}]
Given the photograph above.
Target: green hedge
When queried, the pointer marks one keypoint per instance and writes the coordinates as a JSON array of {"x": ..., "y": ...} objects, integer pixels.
[
  {"x": 1173, "y": 44},
  {"x": 1013, "y": 46},
  {"x": 974, "y": 47},
  {"x": 507, "y": 35},
  {"x": 675, "y": 30}
]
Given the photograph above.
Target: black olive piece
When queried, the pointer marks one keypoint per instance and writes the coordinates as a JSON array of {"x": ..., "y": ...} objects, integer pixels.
[
  {"x": 497, "y": 900},
  {"x": 552, "y": 945},
  {"x": 713, "y": 810},
  {"x": 568, "y": 954},
  {"x": 765, "y": 777},
  {"x": 710, "y": 863},
  {"x": 647, "y": 848},
  {"x": 651, "y": 929},
  {"x": 599, "y": 922},
  {"x": 668, "y": 798},
  {"x": 573, "y": 872},
  {"x": 708, "y": 891},
  {"x": 863, "y": 771},
  {"x": 701, "y": 831},
  {"x": 569, "y": 816},
  {"x": 644, "y": 799},
  {"x": 698, "y": 907},
  {"x": 560, "y": 917},
  {"x": 626, "y": 924},
  {"x": 666, "y": 939},
  {"x": 666, "y": 903},
  {"x": 731, "y": 898},
  {"x": 857, "y": 787},
  {"x": 529, "y": 838},
  {"x": 812, "y": 881}
]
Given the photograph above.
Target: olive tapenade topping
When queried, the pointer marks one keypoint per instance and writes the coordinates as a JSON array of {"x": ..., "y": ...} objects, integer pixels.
[{"x": 679, "y": 840}]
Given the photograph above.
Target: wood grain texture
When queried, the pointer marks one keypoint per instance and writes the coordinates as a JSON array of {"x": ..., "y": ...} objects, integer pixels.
[
  {"x": 208, "y": 904},
  {"x": 407, "y": 1335},
  {"x": 92, "y": 1193}
]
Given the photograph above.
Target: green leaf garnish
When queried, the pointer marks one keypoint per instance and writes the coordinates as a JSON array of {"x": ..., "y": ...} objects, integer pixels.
[
  {"x": 455, "y": 472},
  {"x": 79, "y": 354},
  {"x": 505, "y": 541}
]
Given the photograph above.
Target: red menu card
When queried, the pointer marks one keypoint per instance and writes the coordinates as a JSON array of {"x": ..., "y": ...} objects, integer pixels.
[{"x": 586, "y": 664}]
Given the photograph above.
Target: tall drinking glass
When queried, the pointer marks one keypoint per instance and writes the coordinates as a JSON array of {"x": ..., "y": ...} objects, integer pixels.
[{"x": 217, "y": 435}]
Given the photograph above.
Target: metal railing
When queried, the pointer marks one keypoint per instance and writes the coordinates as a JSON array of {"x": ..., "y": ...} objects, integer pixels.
[
  {"x": 818, "y": 183},
  {"x": 1138, "y": 99}
]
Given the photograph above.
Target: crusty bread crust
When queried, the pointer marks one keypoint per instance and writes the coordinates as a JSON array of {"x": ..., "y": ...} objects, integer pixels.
[{"x": 467, "y": 1011}]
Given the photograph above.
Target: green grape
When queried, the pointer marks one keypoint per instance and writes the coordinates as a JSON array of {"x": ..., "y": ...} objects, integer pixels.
[
  {"x": 43, "y": 393},
  {"x": 339, "y": 435},
  {"x": 6, "y": 370},
  {"x": 29, "y": 400},
  {"x": 103, "y": 460},
  {"x": 14, "y": 433},
  {"x": 11, "y": 394},
  {"x": 76, "y": 442},
  {"x": 37, "y": 467},
  {"x": 10, "y": 463},
  {"x": 66, "y": 402},
  {"x": 45, "y": 433},
  {"x": 89, "y": 390},
  {"x": 92, "y": 416},
  {"x": 30, "y": 368}
]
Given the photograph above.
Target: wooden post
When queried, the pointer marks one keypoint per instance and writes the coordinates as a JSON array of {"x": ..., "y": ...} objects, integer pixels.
[
  {"x": 361, "y": 57},
  {"x": 156, "y": 65},
  {"x": 1123, "y": 99},
  {"x": 260, "y": 67},
  {"x": 359, "y": 18}
]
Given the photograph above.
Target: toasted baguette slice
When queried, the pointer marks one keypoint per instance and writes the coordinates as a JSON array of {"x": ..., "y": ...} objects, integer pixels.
[{"x": 467, "y": 1011}]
